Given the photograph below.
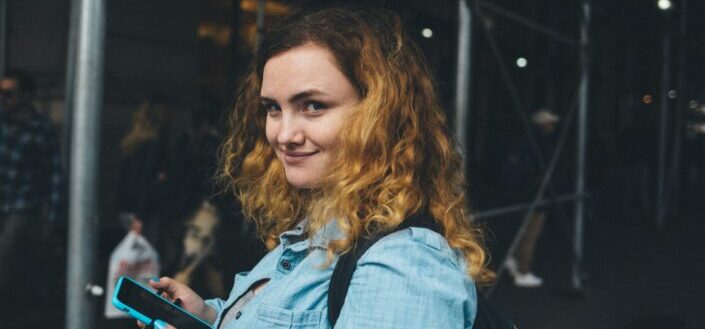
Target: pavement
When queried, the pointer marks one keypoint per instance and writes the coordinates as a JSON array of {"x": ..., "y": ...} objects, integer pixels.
[{"x": 635, "y": 275}]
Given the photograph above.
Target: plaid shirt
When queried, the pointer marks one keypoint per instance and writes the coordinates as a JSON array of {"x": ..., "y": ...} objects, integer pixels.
[{"x": 30, "y": 167}]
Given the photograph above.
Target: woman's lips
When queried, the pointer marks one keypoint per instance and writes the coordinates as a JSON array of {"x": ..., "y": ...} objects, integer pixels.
[{"x": 291, "y": 157}]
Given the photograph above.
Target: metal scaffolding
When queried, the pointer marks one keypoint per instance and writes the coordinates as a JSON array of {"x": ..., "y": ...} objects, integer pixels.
[{"x": 580, "y": 105}]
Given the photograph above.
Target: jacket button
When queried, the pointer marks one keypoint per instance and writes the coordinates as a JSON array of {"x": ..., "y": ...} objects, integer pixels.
[
  {"x": 286, "y": 265},
  {"x": 237, "y": 315}
]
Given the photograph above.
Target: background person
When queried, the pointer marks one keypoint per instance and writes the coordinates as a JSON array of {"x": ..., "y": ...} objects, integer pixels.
[
  {"x": 31, "y": 183},
  {"x": 522, "y": 178},
  {"x": 144, "y": 170}
]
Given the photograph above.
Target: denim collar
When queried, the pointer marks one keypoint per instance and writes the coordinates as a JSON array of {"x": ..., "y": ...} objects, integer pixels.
[{"x": 295, "y": 240}]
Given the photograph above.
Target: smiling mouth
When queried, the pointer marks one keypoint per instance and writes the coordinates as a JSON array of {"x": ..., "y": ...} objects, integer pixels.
[
  {"x": 298, "y": 154},
  {"x": 293, "y": 158}
]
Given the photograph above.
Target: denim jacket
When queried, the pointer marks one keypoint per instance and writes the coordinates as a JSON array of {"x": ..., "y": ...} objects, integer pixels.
[{"x": 409, "y": 279}]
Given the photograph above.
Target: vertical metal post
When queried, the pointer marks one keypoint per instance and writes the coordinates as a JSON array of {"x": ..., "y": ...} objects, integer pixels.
[
  {"x": 3, "y": 37},
  {"x": 260, "y": 24},
  {"x": 236, "y": 56},
  {"x": 581, "y": 143},
  {"x": 69, "y": 88},
  {"x": 462, "y": 80},
  {"x": 85, "y": 140},
  {"x": 672, "y": 196},
  {"x": 665, "y": 87}
]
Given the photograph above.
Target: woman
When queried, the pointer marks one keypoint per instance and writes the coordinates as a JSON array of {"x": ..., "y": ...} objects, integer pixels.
[{"x": 336, "y": 135}]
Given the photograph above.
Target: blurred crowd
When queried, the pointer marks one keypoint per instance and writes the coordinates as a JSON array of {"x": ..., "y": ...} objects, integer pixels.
[
  {"x": 165, "y": 192},
  {"x": 167, "y": 189}
]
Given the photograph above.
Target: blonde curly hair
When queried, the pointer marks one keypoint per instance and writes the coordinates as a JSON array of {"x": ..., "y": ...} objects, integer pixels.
[{"x": 395, "y": 159}]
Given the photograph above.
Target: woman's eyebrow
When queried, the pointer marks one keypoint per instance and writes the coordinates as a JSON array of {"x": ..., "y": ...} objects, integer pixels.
[
  {"x": 305, "y": 94},
  {"x": 297, "y": 97}
]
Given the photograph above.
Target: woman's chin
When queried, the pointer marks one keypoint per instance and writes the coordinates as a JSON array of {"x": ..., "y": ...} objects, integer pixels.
[{"x": 303, "y": 184}]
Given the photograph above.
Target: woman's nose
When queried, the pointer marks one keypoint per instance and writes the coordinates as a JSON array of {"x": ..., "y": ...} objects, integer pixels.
[{"x": 291, "y": 132}]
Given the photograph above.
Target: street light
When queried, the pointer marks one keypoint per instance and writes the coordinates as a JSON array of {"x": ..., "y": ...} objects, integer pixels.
[
  {"x": 427, "y": 33},
  {"x": 664, "y": 4},
  {"x": 522, "y": 62}
]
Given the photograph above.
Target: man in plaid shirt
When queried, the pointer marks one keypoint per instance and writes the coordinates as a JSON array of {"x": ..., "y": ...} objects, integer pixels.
[{"x": 31, "y": 182}]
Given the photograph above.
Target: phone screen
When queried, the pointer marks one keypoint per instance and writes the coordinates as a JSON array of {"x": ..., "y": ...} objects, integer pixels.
[{"x": 149, "y": 304}]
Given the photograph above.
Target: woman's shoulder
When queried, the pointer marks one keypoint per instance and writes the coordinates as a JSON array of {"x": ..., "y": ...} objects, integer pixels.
[
  {"x": 414, "y": 247},
  {"x": 413, "y": 264}
]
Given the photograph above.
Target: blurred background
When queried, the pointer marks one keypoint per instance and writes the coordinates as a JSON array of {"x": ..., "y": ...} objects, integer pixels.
[{"x": 582, "y": 124}]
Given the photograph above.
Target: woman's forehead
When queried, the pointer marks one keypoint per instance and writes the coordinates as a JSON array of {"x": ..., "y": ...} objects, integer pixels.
[{"x": 306, "y": 67}]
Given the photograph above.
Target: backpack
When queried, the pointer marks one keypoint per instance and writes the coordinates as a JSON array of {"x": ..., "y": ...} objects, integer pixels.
[{"x": 486, "y": 317}]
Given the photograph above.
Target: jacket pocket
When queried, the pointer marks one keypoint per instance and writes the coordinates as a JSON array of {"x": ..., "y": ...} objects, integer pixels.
[{"x": 277, "y": 318}]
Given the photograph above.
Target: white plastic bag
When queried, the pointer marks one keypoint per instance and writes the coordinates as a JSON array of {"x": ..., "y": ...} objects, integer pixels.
[{"x": 133, "y": 257}]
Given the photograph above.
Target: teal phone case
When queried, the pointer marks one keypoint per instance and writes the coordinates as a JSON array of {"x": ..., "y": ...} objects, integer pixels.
[{"x": 142, "y": 317}]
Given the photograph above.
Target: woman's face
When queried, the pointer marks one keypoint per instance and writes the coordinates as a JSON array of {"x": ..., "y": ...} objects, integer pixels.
[{"x": 307, "y": 99}]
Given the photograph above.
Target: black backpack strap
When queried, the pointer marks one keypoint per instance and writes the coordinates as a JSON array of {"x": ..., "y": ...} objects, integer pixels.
[
  {"x": 486, "y": 316},
  {"x": 343, "y": 272}
]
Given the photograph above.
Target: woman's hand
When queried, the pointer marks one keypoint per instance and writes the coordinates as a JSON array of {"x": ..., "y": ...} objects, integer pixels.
[{"x": 180, "y": 294}]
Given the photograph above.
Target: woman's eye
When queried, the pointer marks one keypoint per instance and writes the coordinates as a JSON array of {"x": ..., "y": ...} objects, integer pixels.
[
  {"x": 314, "y": 107},
  {"x": 271, "y": 107}
]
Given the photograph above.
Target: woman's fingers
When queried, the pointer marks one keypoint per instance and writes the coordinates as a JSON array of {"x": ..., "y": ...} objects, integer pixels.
[
  {"x": 180, "y": 294},
  {"x": 166, "y": 285},
  {"x": 169, "y": 289}
]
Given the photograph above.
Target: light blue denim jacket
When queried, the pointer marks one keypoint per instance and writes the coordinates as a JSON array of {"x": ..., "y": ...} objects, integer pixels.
[{"x": 409, "y": 279}]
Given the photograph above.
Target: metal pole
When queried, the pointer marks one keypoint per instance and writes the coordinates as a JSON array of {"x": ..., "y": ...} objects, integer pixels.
[
  {"x": 83, "y": 205},
  {"x": 486, "y": 214},
  {"x": 672, "y": 196},
  {"x": 581, "y": 143},
  {"x": 665, "y": 86},
  {"x": 260, "y": 24},
  {"x": 69, "y": 88},
  {"x": 462, "y": 79},
  {"x": 3, "y": 37}
]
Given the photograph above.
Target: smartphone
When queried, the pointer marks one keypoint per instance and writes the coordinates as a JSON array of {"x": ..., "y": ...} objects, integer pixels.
[{"x": 143, "y": 304}]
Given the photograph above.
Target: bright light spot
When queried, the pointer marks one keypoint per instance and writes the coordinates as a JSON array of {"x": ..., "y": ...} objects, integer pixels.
[
  {"x": 522, "y": 62},
  {"x": 647, "y": 99},
  {"x": 664, "y": 4},
  {"x": 693, "y": 105},
  {"x": 427, "y": 33},
  {"x": 672, "y": 94},
  {"x": 699, "y": 128}
]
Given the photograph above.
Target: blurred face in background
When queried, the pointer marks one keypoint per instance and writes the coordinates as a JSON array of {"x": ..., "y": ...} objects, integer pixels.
[
  {"x": 547, "y": 128},
  {"x": 9, "y": 95},
  {"x": 307, "y": 99}
]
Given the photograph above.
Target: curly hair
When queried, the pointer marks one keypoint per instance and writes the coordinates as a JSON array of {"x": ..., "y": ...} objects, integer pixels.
[{"x": 395, "y": 159}]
